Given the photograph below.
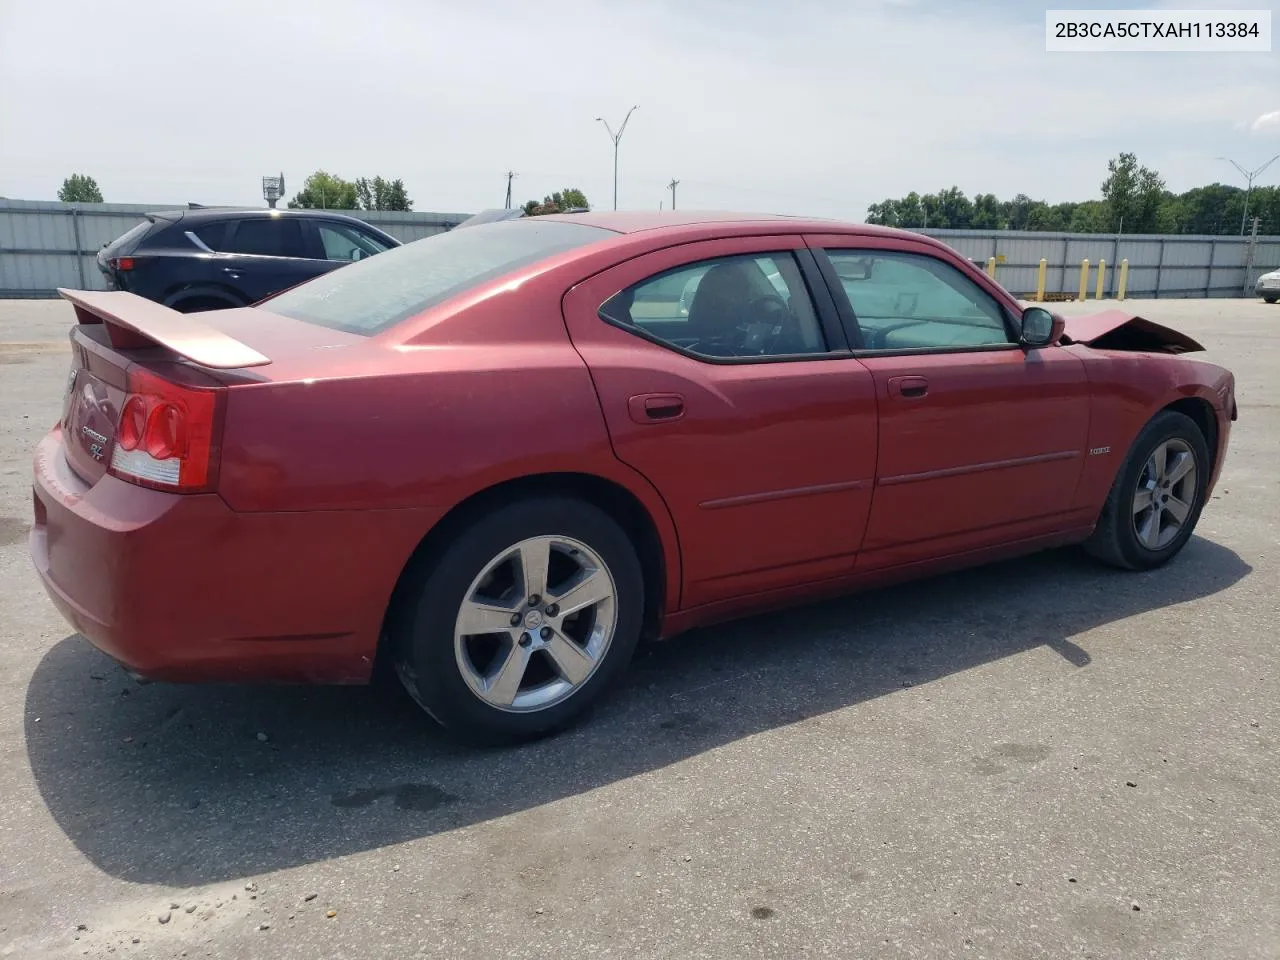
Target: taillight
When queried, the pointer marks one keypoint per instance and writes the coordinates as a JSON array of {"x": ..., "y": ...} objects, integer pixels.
[
  {"x": 123, "y": 263},
  {"x": 133, "y": 423},
  {"x": 165, "y": 437}
]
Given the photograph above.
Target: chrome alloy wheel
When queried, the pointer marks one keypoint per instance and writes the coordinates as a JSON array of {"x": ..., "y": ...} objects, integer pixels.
[
  {"x": 535, "y": 624},
  {"x": 1166, "y": 494}
]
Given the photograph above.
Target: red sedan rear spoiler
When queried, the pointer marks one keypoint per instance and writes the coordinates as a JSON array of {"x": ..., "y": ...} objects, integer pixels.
[{"x": 133, "y": 322}]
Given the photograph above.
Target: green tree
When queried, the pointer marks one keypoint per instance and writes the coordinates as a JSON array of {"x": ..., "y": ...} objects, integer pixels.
[
  {"x": 80, "y": 188},
  {"x": 1133, "y": 194},
  {"x": 909, "y": 212},
  {"x": 1018, "y": 211},
  {"x": 884, "y": 214},
  {"x": 569, "y": 198},
  {"x": 987, "y": 213},
  {"x": 1057, "y": 217},
  {"x": 955, "y": 208},
  {"x": 380, "y": 194},
  {"x": 1092, "y": 216},
  {"x": 1264, "y": 203},
  {"x": 324, "y": 191},
  {"x": 1134, "y": 199}
]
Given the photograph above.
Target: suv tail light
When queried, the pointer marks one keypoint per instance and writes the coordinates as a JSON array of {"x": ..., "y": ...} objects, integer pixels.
[
  {"x": 122, "y": 263},
  {"x": 166, "y": 437}
]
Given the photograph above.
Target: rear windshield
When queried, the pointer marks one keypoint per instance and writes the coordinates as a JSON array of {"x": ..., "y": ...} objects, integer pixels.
[
  {"x": 376, "y": 293},
  {"x": 128, "y": 241}
]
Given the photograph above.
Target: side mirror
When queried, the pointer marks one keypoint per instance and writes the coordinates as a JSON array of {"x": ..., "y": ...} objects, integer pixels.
[
  {"x": 858, "y": 268},
  {"x": 1040, "y": 327},
  {"x": 356, "y": 254}
]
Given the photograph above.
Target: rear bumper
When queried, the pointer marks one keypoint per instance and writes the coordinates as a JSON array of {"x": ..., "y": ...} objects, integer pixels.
[{"x": 182, "y": 588}]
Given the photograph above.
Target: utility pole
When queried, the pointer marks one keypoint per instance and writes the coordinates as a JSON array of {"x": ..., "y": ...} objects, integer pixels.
[
  {"x": 616, "y": 138},
  {"x": 511, "y": 175},
  {"x": 1249, "y": 254},
  {"x": 1249, "y": 176},
  {"x": 672, "y": 187}
]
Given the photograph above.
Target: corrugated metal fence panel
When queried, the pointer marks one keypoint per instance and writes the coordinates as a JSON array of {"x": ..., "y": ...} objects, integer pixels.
[
  {"x": 38, "y": 251},
  {"x": 46, "y": 244},
  {"x": 1267, "y": 257},
  {"x": 1159, "y": 266}
]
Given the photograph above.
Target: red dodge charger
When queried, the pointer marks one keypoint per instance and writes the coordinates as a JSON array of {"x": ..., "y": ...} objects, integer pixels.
[{"x": 494, "y": 459}]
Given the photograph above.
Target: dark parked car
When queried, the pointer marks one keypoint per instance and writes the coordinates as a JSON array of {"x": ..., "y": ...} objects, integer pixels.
[{"x": 213, "y": 259}]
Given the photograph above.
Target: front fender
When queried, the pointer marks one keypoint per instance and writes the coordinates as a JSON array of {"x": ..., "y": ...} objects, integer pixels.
[{"x": 1127, "y": 389}]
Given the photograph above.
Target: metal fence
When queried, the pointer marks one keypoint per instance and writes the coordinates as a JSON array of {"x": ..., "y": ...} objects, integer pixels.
[
  {"x": 45, "y": 245},
  {"x": 1159, "y": 266}
]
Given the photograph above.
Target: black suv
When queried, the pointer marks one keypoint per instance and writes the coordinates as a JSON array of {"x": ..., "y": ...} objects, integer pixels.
[{"x": 209, "y": 259}]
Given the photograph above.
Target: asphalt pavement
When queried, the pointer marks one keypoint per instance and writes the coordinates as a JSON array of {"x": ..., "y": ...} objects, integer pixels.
[{"x": 1041, "y": 758}]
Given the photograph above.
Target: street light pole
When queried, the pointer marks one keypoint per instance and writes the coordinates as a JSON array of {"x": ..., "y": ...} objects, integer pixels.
[
  {"x": 1248, "y": 179},
  {"x": 616, "y": 138}
]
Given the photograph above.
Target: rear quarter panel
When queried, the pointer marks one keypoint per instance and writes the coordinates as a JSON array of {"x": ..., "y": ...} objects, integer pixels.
[
  {"x": 490, "y": 392},
  {"x": 1127, "y": 389}
]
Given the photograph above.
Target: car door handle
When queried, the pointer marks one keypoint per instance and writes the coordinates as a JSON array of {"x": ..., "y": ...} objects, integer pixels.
[
  {"x": 908, "y": 388},
  {"x": 656, "y": 407}
]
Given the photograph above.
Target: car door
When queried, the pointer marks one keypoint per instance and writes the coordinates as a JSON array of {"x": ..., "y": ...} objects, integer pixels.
[
  {"x": 981, "y": 440},
  {"x": 725, "y": 383},
  {"x": 269, "y": 254}
]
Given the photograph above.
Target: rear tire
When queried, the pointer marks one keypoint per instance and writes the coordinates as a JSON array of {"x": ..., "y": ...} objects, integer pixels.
[
  {"x": 1270, "y": 299},
  {"x": 520, "y": 624},
  {"x": 1156, "y": 499}
]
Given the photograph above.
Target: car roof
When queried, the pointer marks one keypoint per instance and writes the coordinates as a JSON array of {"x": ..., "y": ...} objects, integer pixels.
[
  {"x": 637, "y": 221},
  {"x": 202, "y": 214}
]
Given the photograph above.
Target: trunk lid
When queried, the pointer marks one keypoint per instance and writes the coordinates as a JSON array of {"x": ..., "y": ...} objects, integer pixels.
[
  {"x": 118, "y": 333},
  {"x": 96, "y": 390}
]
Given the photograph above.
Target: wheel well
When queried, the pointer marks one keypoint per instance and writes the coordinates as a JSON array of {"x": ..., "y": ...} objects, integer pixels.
[
  {"x": 1201, "y": 411},
  {"x": 212, "y": 294},
  {"x": 202, "y": 301},
  {"x": 610, "y": 497}
]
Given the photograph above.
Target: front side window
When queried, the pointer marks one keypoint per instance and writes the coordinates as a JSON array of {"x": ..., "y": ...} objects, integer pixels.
[
  {"x": 755, "y": 305},
  {"x": 346, "y": 243},
  {"x": 268, "y": 237},
  {"x": 911, "y": 301}
]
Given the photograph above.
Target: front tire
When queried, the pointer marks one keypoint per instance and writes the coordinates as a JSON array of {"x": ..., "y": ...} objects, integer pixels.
[
  {"x": 1270, "y": 299},
  {"x": 523, "y": 621},
  {"x": 1156, "y": 499}
]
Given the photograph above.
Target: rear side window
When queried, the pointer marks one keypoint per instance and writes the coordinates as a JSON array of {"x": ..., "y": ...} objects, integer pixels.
[
  {"x": 213, "y": 235},
  {"x": 749, "y": 306},
  {"x": 371, "y": 295},
  {"x": 268, "y": 237}
]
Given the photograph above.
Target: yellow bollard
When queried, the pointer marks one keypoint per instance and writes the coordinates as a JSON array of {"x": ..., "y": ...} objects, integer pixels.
[
  {"x": 1084, "y": 278},
  {"x": 1124, "y": 278},
  {"x": 1102, "y": 273},
  {"x": 991, "y": 267},
  {"x": 1044, "y": 264}
]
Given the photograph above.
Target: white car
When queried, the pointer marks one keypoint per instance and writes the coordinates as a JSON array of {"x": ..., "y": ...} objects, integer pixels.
[{"x": 1268, "y": 286}]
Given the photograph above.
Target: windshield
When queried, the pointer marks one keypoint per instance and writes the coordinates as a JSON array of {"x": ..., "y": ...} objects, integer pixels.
[{"x": 374, "y": 294}]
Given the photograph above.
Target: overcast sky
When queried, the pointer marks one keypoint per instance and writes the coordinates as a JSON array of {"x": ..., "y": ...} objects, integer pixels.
[{"x": 806, "y": 107}]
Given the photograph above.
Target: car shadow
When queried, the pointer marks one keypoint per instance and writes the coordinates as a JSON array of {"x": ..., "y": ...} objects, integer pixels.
[{"x": 188, "y": 785}]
